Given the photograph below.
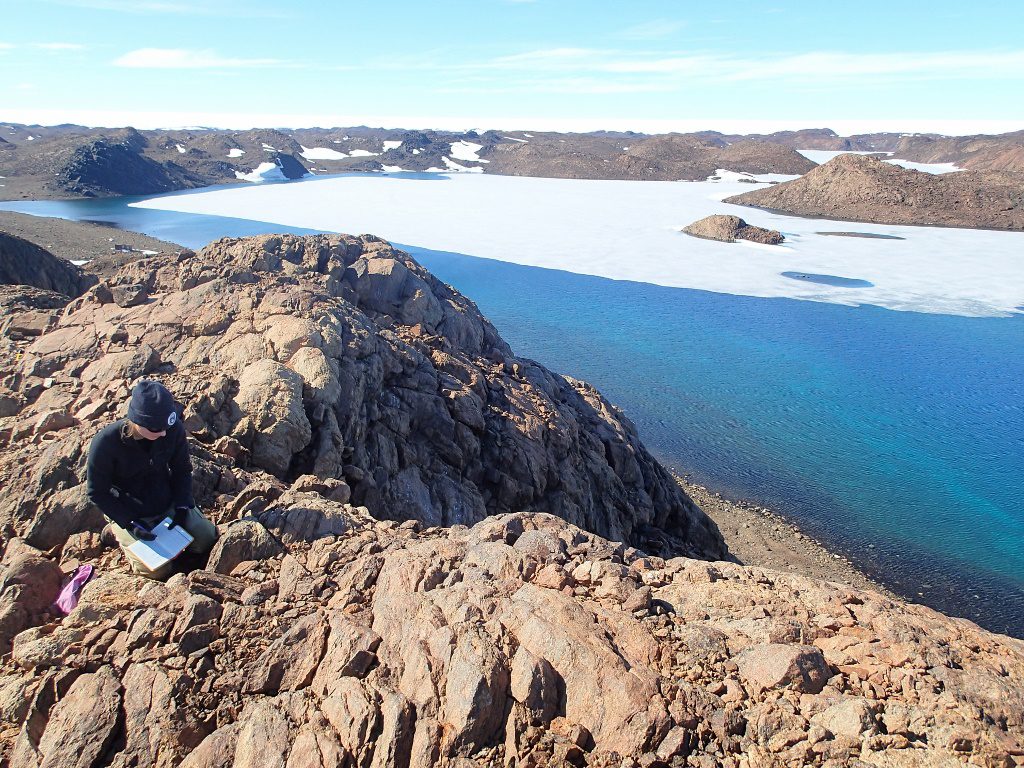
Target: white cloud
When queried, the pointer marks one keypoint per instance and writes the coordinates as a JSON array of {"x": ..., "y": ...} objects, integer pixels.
[{"x": 180, "y": 58}]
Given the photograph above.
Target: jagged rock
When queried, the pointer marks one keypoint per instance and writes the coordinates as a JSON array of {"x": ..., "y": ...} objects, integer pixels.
[
  {"x": 83, "y": 723},
  {"x": 344, "y": 359},
  {"x": 774, "y": 665},
  {"x": 243, "y": 540},
  {"x": 431, "y": 647},
  {"x": 729, "y": 229},
  {"x": 29, "y": 583}
]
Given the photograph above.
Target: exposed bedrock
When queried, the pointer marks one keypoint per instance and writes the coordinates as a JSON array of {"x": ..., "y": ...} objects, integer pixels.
[
  {"x": 337, "y": 357},
  {"x": 523, "y": 640}
]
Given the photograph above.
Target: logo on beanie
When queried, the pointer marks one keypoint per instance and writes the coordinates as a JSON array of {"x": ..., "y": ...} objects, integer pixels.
[{"x": 172, "y": 419}]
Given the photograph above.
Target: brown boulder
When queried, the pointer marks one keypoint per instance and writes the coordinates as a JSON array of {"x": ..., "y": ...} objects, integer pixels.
[{"x": 774, "y": 665}]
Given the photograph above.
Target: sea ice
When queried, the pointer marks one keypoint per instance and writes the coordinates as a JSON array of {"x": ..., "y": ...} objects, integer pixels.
[
  {"x": 724, "y": 175},
  {"x": 391, "y": 145},
  {"x": 235, "y": 152},
  {"x": 937, "y": 168},
  {"x": 321, "y": 153},
  {"x": 263, "y": 172},
  {"x": 467, "y": 150},
  {"x": 392, "y": 168},
  {"x": 630, "y": 230}
]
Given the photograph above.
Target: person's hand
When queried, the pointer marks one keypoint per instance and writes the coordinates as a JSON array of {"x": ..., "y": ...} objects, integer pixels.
[
  {"x": 180, "y": 516},
  {"x": 141, "y": 533}
]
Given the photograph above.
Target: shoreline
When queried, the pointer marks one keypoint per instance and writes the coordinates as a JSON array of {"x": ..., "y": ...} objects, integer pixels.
[{"x": 760, "y": 537}]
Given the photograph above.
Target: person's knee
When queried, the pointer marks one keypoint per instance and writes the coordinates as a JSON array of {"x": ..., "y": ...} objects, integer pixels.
[{"x": 203, "y": 532}]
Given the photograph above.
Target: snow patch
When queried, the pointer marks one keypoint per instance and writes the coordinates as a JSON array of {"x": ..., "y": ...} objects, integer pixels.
[
  {"x": 321, "y": 153},
  {"x": 416, "y": 151},
  {"x": 181, "y": 149},
  {"x": 235, "y": 152},
  {"x": 453, "y": 166},
  {"x": 467, "y": 150},
  {"x": 389, "y": 145},
  {"x": 513, "y": 138},
  {"x": 263, "y": 172},
  {"x": 392, "y": 168},
  {"x": 83, "y": 262},
  {"x": 150, "y": 253},
  {"x": 362, "y": 153},
  {"x": 31, "y": 138}
]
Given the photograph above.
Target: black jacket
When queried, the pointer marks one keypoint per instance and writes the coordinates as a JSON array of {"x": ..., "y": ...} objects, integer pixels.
[{"x": 146, "y": 476}]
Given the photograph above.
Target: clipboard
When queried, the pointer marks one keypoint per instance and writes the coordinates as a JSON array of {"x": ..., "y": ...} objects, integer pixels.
[{"x": 171, "y": 540}]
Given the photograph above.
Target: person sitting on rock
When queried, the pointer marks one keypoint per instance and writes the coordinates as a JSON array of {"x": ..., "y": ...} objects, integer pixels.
[{"x": 139, "y": 473}]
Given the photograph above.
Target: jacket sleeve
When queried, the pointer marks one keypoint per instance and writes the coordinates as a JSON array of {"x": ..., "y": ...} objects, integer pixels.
[
  {"x": 99, "y": 481},
  {"x": 181, "y": 471}
]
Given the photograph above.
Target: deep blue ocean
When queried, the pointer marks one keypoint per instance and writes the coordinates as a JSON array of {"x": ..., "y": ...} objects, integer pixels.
[{"x": 896, "y": 438}]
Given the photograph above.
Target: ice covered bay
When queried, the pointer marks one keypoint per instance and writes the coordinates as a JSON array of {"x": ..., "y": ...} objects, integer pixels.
[{"x": 629, "y": 230}]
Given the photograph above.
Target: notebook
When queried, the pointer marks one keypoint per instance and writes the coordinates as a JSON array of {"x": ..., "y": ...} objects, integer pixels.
[{"x": 170, "y": 542}]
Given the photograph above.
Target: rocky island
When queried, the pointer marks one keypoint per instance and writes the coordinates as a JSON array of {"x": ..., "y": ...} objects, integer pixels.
[
  {"x": 729, "y": 229},
  {"x": 432, "y": 552}
]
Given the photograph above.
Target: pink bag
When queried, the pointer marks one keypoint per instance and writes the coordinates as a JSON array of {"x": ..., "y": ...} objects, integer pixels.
[{"x": 68, "y": 598}]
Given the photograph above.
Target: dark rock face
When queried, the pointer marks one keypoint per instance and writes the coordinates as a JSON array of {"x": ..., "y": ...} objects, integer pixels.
[
  {"x": 729, "y": 229},
  {"x": 861, "y": 188},
  {"x": 290, "y": 166},
  {"x": 340, "y": 358},
  {"x": 25, "y": 263},
  {"x": 103, "y": 167}
]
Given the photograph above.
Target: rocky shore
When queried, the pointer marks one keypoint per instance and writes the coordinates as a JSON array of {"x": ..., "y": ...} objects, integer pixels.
[{"x": 390, "y": 587}]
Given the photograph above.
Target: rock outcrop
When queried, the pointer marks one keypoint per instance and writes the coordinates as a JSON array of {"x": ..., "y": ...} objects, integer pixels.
[
  {"x": 336, "y": 357},
  {"x": 729, "y": 229},
  {"x": 520, "y": 641},
  {"x": 25, "y": 263},
  {"x": 330, "y": 377},
  {"x": 117, "y": 166},
  {"x": 862, "y": 188}
]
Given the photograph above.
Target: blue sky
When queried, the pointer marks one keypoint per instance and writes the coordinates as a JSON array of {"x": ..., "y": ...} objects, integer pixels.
[{"x": 644, "y": 65}]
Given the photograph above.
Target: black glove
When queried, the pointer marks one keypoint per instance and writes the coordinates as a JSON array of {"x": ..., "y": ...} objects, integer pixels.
[
  {"x": 180, "y": 516},
  {"x": 141, "y": 533}
]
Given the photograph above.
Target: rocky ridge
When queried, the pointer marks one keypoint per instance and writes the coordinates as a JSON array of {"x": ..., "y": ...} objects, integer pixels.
[
  {"x": 729, "y": 229},
  {"x": 24, "y": 263},
  {"x": 862, "y": 188},
  {"x": 335, "y": 356}
]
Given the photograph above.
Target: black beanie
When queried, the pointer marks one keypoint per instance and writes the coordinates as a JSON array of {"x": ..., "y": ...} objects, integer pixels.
[{"x": 152, "y": 406}]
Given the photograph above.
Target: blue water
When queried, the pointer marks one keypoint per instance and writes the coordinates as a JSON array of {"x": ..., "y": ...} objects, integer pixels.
[{"x": 899, "y": 430}]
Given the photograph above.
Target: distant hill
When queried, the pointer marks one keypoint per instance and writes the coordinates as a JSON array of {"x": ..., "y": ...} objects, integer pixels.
[
  {"x": 73, "y": 160},
  {"x": 862, "y": 188}
]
